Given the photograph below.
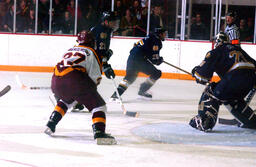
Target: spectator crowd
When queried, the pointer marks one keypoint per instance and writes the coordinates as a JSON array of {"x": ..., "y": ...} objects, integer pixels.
[{"x": 131, "y": 13}]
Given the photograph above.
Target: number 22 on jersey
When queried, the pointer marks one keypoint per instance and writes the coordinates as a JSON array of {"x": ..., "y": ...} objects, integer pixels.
[{"x": 71, "y": 59}]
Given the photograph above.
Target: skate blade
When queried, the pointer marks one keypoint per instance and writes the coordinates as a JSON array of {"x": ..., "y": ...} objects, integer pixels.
[
  {"x": 144, "y": 98},
  {"x": 79, "y": 111},
  {"x": 48, "y": 131},
  {"x": 106, "y": 141},
  {"x": 114, "y": 100}
]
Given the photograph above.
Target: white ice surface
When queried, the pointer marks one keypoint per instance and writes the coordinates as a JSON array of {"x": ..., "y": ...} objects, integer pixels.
[{"x": 160, "y": 137}]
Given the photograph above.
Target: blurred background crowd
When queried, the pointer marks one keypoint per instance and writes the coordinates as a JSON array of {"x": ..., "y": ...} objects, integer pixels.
[{"x": 67, "y": 17}]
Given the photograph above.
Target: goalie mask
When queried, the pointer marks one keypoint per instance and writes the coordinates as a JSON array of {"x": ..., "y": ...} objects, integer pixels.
[
  {"x": 86, "y": 38},
  {"x": 220, "y": 39}
]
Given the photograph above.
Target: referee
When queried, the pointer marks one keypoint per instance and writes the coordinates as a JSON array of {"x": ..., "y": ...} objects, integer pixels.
[{"x": 231, "y": 29}]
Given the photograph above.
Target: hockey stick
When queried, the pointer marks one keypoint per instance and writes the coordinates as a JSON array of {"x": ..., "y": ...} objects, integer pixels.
[
  {"x": 125, "y": 112},
  {"x": 39, "y": 87},
  {"x": 5, "y": 90},
  {"x": 22, "y": 86},
  {"x": 177, "y": 68},
  {"x": 228, "y": 121}
]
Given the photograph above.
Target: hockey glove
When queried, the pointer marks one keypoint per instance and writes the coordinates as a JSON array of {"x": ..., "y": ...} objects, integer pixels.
[
  {"x": 109, "y": 53},
  {"x": 106, "y": 55},
  {"x": 109, "y": 72},
  {"x": 194, "y": 70},
  {"x": 159, "y": 61},
  {"x": 199, "y": 80}
]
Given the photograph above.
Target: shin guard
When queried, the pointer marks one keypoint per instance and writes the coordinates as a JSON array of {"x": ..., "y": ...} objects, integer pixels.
[
  {"x": 99, "y": 120},
  {"x": 145, "y": 86},
  {"x": 59, "y": 111}
]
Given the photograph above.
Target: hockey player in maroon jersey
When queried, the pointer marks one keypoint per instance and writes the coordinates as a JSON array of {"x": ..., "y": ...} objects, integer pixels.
[
  {"x": 102, "y": 33},
  {"x": 76, "y": 78}
]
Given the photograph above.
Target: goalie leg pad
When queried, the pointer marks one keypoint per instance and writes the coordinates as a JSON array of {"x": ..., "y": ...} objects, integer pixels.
[
  {"x": 243, "y": 113},
  {"x": 207, "y": 112}
]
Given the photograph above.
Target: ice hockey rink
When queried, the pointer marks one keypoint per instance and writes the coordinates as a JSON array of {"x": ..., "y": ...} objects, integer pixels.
[{"x": 159, "y": 137}]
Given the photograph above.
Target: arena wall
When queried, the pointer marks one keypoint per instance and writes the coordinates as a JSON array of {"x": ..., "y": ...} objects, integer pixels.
[{"x": 39, "y": 53}]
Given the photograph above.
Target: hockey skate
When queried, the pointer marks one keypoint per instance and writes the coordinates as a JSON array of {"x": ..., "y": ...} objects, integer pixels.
[
  {"x": 145, "y": 95},
  {"x": 103, "y": 138},
  {"x": 79, "y": 108},
  {"x": 50, "y": 128}
]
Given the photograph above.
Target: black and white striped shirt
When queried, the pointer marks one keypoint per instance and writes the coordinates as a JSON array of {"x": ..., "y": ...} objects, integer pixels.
[{"x": 233, "y": 33}]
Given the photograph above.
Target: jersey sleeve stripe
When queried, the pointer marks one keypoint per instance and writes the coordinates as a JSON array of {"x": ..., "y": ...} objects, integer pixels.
[{"x": 67, "y": 70}]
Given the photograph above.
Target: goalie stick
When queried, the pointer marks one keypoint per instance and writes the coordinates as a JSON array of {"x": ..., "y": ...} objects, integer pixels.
[
  {"x": 125, "y": 112},
  {"x": 5, "y": 90},
  {"x": 228, "y": 121}
]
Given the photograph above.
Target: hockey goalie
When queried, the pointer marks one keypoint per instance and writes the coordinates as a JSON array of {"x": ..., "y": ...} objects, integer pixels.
[{"x": 236, "y": 70}]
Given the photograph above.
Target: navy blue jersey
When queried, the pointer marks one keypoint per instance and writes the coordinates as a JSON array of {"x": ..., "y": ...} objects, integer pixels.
[
  {"x": 222, "y": 60},
  {"x": 102, "y": 36},
  {"x": 148, "y": 48}
]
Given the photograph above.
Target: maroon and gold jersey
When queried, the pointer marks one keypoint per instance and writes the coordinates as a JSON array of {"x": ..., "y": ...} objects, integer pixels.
[{"x": 83, "y": 59}]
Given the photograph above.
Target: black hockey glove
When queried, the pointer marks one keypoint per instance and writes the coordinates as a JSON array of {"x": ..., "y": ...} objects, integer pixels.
[
  {"x": 109, "y": 72},
  {"x": 199, "y": 80},
  {"x": 194, "y": 70},
  {"x": 159, "y": 61},
  {"x": 106, "y": 56},
  {"x": 109, "y": 53}
]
